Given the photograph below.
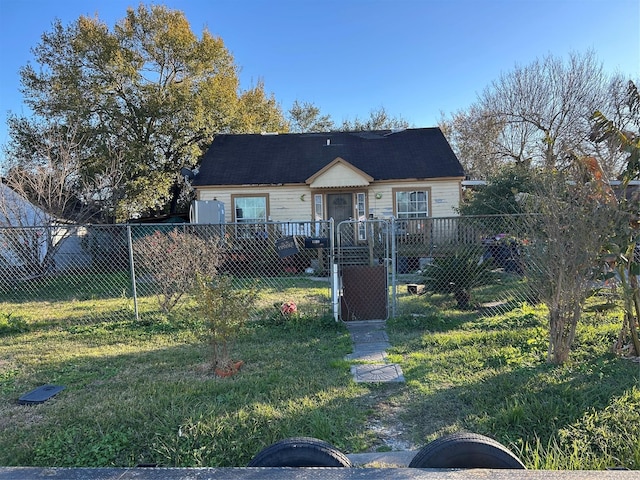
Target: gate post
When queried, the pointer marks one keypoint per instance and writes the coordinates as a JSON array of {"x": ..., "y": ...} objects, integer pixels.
[
  {"x": 392, "y": 239},
  {"x": 333, "y": 272}
]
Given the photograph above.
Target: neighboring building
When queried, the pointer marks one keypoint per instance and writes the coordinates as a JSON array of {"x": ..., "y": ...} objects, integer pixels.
[
  {"x": 17, "y": 211},
  {"x": 33, "y": 242},
  {"x": 411, "y": 173},
  {"x": 25, "y": 243}
]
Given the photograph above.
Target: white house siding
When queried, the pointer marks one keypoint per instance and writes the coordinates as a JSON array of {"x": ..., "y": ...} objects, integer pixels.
[
  {"x": 340, "y": 175},
  {"x": 27, "y": 225},
  {"x": 295, "y": 202},
  {"x": 286, "y": 203},
  {"x": 69, "y": 250},
  {"x": 445, "y": 197}
]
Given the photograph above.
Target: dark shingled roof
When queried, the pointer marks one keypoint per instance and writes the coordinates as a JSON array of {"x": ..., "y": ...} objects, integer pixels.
[{"x": 292, "y": 158}]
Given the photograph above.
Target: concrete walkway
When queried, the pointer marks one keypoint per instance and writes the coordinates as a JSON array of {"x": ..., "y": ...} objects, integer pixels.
[
  {"x": 370, "y": 342},
  {"x": 370, "y": 364}
]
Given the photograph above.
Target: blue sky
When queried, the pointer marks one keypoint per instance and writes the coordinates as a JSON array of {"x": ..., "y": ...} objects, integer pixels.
[{"x": 415, "y": 58}]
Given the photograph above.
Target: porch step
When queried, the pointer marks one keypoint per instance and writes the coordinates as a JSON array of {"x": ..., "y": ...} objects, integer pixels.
[{"x": 353, "y": 256}]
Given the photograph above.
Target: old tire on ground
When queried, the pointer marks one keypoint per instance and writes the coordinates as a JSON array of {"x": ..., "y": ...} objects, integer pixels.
[
  {"x": 465, "y": 450},
  {"x": 300, "y": 452}
]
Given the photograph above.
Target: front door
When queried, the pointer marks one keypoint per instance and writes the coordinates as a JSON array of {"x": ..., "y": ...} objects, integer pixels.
[{"x": 339, "y": 206}]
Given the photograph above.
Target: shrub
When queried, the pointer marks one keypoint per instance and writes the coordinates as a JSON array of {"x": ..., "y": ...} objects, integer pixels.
[
  {"x": 458, "y": 273},
  {"x": 173, "y": 260},
  {"x": 224, "y": 310}
]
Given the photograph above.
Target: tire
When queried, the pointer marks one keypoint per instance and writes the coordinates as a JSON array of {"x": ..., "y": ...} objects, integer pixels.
[
  {"x": 465, "y": 450},
  {"x": 300, "y": 452}
]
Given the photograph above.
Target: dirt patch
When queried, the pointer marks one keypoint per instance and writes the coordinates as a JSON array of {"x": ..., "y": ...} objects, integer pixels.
[{"x": 388, "y": 430}]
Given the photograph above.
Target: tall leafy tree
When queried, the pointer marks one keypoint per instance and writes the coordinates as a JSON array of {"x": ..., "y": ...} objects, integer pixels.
[
  {"x": 258, "y": 112},
  {"x": 149, "y": 89},
  {"x": 306, "y": 117},
  {"x": 378, "y": 119}
]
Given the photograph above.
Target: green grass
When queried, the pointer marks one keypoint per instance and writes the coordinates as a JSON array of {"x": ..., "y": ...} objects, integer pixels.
[
  {"x": 69, "y": 287},
  {"x": 141, "y": 392},
  {"x": 490, "y": 376},
  {"x": 93, "y": 297}
]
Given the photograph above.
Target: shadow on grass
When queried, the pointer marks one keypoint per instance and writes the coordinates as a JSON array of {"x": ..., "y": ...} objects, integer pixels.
[
  {"x": 517, "y": 406},
  {"x": 160, "y": 404},
  {"x": 68, "y": 286}
]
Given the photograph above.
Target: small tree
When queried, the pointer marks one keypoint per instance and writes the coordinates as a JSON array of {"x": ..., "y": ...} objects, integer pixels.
[
  {"x": 569, "y": 221},
  {"x": 499, "y": 195},
  {"x": 174, "y": 259},
  {"x": 224, "y": 310}
]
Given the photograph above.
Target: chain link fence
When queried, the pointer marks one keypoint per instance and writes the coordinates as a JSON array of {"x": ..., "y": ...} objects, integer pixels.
[
  {"x": 355, "y": 270},
  {"x": 280, "y": 260},
  {"x": 148, "y": 271},
  {"x": 478, "y": 262}
]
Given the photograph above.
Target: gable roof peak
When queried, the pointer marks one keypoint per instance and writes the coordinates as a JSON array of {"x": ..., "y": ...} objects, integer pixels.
[{"x": 339, "y": 173}]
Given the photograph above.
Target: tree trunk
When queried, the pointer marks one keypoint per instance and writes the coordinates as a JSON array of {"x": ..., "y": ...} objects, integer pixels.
[
  {"x": 633, "y": 319},
  {"x": 631, "y": 291},
  {"x": 463, "y": 297},
  {"x": 562, "y": 328},
  {"x": 175, "y": 195}
]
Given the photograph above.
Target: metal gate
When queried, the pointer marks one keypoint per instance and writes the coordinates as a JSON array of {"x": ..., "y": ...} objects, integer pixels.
[{"x": 364, "y": 261}]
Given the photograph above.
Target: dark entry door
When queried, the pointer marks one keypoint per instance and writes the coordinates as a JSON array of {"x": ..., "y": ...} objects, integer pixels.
[{"x": 340, "y": 206}]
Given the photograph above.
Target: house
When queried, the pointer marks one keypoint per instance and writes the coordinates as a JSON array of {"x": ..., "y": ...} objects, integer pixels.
[
  {"x": 407, "y": 174},
  {"x": 23, "y": 240},
  {"x": 32, "y": 241}
]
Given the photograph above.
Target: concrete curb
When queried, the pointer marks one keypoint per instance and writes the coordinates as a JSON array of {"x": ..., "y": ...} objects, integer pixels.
[{"x": 398, "y": 459}]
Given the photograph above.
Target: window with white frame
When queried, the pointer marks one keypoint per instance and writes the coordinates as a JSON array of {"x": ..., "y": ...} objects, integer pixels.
[
  {"x": 412, "y": 203},
  {"x": 250, "y": 209},
  {"x": 318, "y": 206},
  {"x": 361, "y": 213}
]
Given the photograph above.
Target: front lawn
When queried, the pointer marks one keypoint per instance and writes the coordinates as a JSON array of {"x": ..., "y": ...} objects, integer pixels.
[
  {"x": 489, "y": 375},
  {"x": 140, "y": 392}
]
